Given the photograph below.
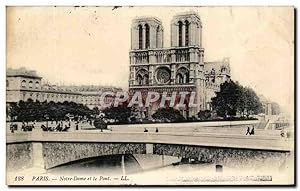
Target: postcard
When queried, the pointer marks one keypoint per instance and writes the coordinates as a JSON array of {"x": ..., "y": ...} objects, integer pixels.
[{"x": 147, "y": 96}]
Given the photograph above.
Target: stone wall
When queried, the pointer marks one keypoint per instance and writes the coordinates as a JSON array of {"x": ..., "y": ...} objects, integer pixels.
[
  {"x": 19, "y": 156},
  {"x": 57, "y": 153},
  {"x": 226, "y": 156}
]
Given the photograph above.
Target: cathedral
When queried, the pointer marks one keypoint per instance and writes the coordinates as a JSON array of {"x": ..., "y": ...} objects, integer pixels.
[{"x": 179, "y": 68}]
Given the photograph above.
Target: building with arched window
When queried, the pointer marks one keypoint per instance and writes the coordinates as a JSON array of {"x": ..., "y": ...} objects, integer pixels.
[
  {"x": 23, "y": 84},
  {"x": 180, "y": 67}
]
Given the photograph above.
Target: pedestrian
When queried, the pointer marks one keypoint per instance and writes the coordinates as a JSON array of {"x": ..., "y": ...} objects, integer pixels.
[
  {"x": 252, "y": 131},
  {"x": 156, "y": 130},
  {"x": 248, "y": 130},
  {"x": 146, "y": 130}
]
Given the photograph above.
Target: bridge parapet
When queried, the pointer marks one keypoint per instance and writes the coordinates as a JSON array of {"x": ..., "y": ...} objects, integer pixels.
[{"x": 197, "y": 139}]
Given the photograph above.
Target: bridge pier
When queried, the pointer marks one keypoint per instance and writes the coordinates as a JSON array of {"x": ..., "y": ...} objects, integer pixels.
[
  {"x": 38, "y": 162},
  {"x": 123, "y": 165},
  {"x": 149, "y": 148}
]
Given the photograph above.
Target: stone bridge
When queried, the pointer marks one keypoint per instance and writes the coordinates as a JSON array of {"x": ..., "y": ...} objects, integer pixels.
[{"x": 46, "y": 150}]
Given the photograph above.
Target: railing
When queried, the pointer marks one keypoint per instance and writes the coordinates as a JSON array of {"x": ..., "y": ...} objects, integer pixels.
[
  {"x": 161, "y": 56},
  {"x": 196, "y": 139},
  {"x": 182, "y": 55},
  {"x": 141, "y": 57}
]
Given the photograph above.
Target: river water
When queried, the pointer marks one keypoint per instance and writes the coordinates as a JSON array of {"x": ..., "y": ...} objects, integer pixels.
[
  {"x": 112, "y": 166},
  {"x": 176, "y": 173}
]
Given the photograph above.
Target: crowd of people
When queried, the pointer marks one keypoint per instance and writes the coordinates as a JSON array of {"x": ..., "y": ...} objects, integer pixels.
[
  {"x": 25, "y": 127},
  {"x": 48, "y": 126},
  {"x": 52, "y": 126},
  {"x": 59, "y": 126}
]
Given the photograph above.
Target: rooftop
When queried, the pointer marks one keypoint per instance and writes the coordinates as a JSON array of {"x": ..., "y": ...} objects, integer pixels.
[
  {"x": 22, "y": 72},
  {"x": 146, "y": 18}
]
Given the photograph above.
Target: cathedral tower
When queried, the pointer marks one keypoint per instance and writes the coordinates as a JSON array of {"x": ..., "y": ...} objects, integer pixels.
[
  {"x": 146, "y": 33},
  {"x": 186, "y": 30}
]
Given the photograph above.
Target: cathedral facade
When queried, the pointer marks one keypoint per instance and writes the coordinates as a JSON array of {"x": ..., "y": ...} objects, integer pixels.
[{"x": 179, "y": 68}]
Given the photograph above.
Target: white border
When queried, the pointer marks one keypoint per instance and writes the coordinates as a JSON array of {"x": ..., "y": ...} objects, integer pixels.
[{"x": 5, "y": 3}]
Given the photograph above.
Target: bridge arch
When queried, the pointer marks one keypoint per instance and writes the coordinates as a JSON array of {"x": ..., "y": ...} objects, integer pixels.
[
  {"x": 117, "y": 163},
  {"x": 56, "y": 153}
]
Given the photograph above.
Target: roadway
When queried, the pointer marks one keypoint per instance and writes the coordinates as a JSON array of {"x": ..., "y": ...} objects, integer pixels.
[{"x": 234, "y": 139}]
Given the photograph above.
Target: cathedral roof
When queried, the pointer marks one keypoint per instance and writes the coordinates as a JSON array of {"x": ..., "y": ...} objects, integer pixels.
[{"x": 219, "y": 67}]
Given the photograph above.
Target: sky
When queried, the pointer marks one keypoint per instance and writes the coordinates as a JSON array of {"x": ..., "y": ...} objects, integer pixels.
[{"x": 90, "y": 45}]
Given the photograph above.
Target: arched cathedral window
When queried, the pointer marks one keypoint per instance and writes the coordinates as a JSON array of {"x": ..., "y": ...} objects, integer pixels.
[
  {"x": 157, "y": 36},
  {"x": 139, "y": 79},
  {"x": 179, "y": 79},
  {"x": 140, "y": 36},
  {"x": 145, "y": 79},
  {"x": 147, "y": 28},
  {"x": 182, "y": 76},
  {"x": 186, "y": 33},
  {"x": 179, "y": 33},
  {"x": 142, "y": 77}
]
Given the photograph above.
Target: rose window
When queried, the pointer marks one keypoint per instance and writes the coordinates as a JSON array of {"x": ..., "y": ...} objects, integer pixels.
[{"x": 163, "y": 75}]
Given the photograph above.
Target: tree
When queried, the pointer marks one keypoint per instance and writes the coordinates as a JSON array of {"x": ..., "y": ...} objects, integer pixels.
[
  {"x": 30, "y": 111},
  {"x": 96, "y": 111},
  {"x": 225, "y": 103},
  {"x": 99, "y": 123},
  {"x": 120, "y": 114},
  {"x": 168, "y": 115},
  {"x": 249, "y": 103},
  {"x": 234, "y": 98},
  {"x": 12, "y": 110}
]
